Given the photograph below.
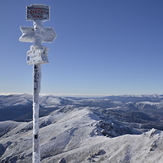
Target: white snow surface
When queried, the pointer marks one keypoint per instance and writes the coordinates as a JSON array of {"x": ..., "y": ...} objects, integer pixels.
[{"x": 69, "y": 137}]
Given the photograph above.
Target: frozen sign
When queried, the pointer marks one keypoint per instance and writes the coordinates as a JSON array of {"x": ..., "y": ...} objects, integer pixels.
[
  {"x": 37, "y": 12},
  {"x": 37, "y": 56}
]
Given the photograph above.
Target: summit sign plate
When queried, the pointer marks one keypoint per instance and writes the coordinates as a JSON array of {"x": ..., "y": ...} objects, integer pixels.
[{"x": 37, "y": 12}]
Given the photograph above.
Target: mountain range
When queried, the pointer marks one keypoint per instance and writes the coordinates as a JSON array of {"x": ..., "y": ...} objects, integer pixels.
[{"x": 83, "y": 129}]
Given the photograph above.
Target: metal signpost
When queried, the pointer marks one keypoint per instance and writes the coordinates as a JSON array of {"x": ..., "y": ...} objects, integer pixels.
[{"x": 36, "y": 56}]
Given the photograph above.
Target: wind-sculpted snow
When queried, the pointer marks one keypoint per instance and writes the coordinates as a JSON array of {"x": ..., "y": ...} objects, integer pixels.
[{"x": 84, "y": 130}]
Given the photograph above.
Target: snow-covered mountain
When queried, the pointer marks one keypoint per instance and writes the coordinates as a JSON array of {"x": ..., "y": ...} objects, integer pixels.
[{"x": 81, "y": 129}]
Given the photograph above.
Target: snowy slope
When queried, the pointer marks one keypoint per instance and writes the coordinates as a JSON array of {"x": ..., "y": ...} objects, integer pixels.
[
  {"x": 81, "y": 130},
  {"x": 72, "y": 137}
]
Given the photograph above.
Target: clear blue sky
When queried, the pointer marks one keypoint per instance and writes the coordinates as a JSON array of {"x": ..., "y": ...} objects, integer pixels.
[{"x": 102, "y": 47}]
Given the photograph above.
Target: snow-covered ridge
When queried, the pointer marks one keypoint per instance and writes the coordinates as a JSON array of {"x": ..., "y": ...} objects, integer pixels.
[
  {"x": 73, "y": 129},
  {"x": 78, "y": 136}
]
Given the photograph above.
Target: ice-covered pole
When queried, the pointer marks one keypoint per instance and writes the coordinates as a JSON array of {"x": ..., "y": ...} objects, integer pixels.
[
  {"x": 38, "y": 28},
  {"x": 36, "y": 56},
  {"x": 36, "y": 146}
]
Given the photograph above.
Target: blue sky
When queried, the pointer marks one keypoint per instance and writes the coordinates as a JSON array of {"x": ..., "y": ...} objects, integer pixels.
[{"x": 102, "y": 47}]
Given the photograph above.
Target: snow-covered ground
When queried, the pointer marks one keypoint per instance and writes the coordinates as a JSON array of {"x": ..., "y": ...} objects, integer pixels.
[{"x": 77, "y": 131}]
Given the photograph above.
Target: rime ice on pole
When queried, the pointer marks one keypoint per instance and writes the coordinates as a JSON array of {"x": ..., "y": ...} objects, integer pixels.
[
  {"x": 37, "y": 34},
  {"x": 37, "y": 55}
]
